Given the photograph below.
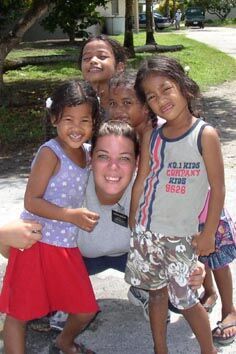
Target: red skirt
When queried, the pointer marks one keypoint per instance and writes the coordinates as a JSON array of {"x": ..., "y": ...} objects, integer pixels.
[{"x": 43, "y": 279}]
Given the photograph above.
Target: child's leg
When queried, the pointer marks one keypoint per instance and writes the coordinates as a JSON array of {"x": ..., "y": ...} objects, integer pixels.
[
  {"x": 158, "y": 308},
  {"x": 210, "y": 296},
  {"x": 223, "y": 278},
  {"x": 74, "y": 325},
  {"x": 199, "y": 322},
  {"x": 14, "y": 336}
]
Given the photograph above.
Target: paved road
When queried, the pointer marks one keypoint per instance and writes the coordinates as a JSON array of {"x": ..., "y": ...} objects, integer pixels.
[{"x": 222, "y": 38}]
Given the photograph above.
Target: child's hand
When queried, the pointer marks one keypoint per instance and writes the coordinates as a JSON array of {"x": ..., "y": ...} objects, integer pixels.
[
  {"x": 204, "y": 244},
  {"x": 83, "y": 218}
]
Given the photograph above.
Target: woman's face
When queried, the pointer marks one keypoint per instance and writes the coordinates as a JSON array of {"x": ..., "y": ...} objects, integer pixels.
[{"x": 113, "y": 165}]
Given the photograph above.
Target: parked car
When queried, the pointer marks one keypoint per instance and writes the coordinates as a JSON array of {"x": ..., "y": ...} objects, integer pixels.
[
  {"x": 195, "y": 16},
  {"x": 160, "y": 21}
]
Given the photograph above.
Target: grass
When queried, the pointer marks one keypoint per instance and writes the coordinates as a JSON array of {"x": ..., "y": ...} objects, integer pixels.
[{"x": 21, "y": 124}]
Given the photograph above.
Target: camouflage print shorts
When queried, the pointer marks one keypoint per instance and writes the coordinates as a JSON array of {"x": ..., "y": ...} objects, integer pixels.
[{"x": 156, "y": 261}]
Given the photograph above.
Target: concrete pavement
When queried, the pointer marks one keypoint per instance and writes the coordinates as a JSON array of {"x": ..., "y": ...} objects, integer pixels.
[{"x": 222, "y": 38}]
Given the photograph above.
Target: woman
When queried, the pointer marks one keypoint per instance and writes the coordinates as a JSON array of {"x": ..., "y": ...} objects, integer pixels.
[{"x": 115, "y": 150}]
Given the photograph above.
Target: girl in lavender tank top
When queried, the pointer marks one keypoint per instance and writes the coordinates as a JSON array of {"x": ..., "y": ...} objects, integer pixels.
[{"x": 51, "y": 275}]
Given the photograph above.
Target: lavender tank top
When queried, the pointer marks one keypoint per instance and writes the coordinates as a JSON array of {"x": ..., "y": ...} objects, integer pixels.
[{"x": 65, "y": 189}]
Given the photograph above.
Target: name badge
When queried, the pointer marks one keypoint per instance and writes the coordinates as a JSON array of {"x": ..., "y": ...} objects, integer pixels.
[{"x": 119, "y": 218}]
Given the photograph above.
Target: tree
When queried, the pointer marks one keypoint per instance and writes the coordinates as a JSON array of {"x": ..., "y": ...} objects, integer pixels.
[
  {"x": 128, "y": 37},
  {"x": 73, "y": 17},
  {"x": 220, "y": 8},
  {"x": 149, "y": 24},
  {"x": 28, "y": 13}
]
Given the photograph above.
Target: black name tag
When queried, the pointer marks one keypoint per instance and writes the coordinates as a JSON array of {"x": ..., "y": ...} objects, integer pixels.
[{"x": 119, "y": 218}]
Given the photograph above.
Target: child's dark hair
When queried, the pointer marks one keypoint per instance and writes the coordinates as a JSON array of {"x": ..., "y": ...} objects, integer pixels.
[
  {"x": 118, "y": 51},
  {"x": 73, "y": 93},
  {"x": 171, "y": 68},
  {"x": 117, "y": 128},
  {"x": 127, "y": 79}
]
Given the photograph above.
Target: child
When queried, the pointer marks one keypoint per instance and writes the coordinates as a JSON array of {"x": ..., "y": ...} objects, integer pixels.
[
  {"x": 218, "y": 264},
  {"x": 125, "y": 105},
  {"x": 100, "y": 58},
  {"x": 178, "y": 162},
  {"x": 51, "y": 275}
]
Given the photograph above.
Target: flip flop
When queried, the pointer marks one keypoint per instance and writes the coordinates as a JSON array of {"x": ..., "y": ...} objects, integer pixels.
[
  {"x": 220, "y": 339},
  {"x": 80, "y": 349}
]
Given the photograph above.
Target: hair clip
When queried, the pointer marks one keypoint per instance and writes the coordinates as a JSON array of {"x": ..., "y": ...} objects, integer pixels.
[
  {"x": 186, "y": 69},
  {"x": 48, "y": 102}
]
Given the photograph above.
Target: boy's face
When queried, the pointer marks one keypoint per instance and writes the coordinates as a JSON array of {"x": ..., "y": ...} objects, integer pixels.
[
  {"x": 124, "y": 105},
  {"x": 98, "y": 62}
]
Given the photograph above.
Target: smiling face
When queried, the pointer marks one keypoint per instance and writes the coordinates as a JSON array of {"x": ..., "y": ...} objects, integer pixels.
[
  {"x": 165, "y": 98},
  {"x": 98, "y": 62},
  {"x": 113, "y": 165},
  {"x": 75, "y": 126},
  {"x": 124, "y": 105}
]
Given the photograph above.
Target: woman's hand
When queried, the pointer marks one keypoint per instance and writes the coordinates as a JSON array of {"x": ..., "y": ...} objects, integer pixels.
[
  {"x": 197, "y": 276},
  {"x": 19, "y": 234}
]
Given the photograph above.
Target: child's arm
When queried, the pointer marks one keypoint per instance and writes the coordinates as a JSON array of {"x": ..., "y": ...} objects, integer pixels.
[
  {"x": 213, "y": 160},
  {"x": 45, "y": 166},
  {"x": 143, "y": 171},
  {"x": 18, "y": 234}
]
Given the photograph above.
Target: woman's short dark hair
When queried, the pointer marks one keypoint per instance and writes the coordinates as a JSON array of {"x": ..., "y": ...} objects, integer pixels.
[{"x": 117, "y": 128}]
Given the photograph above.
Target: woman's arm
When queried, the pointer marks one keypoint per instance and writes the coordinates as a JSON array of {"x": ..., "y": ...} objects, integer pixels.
[
  {"x": 19, "y": 234},
  {"x": 143, "y": 171}
]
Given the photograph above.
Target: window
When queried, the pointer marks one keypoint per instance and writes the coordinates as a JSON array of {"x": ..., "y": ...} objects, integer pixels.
[{"x": 114, "y": 7}]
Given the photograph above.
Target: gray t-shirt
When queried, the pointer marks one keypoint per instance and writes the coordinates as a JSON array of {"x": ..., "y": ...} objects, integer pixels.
[{"x": 108, "y": 238}]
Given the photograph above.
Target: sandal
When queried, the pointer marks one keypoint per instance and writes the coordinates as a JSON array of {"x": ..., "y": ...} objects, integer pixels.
[
  {"x": 220, "y": 339},
  {"x": 79, "y": 347}
]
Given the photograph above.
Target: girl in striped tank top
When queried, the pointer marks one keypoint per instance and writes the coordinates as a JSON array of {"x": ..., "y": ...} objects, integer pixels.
[{"x": 178, "y": 163}]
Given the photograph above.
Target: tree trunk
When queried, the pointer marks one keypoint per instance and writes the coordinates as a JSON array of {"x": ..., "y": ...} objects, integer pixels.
[
  {"x": 174, "y": 10},
  {"x": 39, "y": 60},
  {"x": 14, "y": 37},
  {"x": 129, "y": 39},
  {"x": 158, "y": 48},
  {"x": 167, "y": 8},
  {"x": 149, "y": 24}
]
